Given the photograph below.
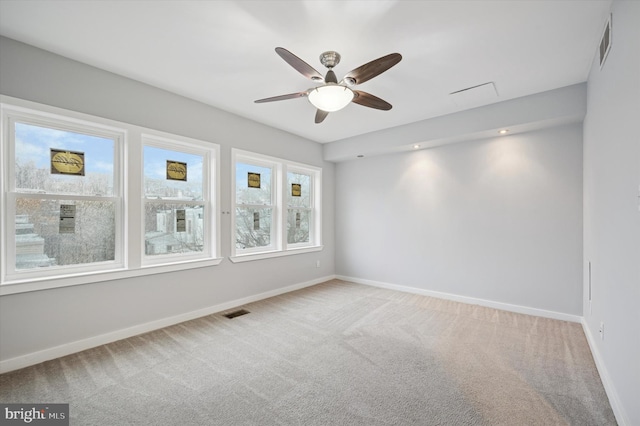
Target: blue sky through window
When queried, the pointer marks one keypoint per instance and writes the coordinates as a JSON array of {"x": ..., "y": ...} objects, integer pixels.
[
  {"x": 33, "y": 143},
  {"x": 243, "y": 169},
  {"x": 155, "y": 163}
]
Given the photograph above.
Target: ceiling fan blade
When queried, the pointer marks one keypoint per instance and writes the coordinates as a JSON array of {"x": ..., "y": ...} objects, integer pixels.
[
  {"x": 320, "y": 116},
  {"x": 301, "y": 66},
  {"x": 282, "y": 97},
  {"x": 368, "y": 100},
  {"x": 371, "y": 69}
]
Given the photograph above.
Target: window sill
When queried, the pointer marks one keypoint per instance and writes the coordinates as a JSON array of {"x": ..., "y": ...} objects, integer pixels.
[
  {"x": 268, "y": 255},
  {"x": 36, "y": 284}
]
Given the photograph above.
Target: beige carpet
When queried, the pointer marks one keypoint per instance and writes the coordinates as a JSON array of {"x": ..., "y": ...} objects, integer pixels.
[{"x": 334, "y": 354}]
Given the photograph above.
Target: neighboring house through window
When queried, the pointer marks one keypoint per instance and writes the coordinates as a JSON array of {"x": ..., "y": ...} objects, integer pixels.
[
  {"x": 277, "y": 205},
  {"x": 68, "y": 181}
]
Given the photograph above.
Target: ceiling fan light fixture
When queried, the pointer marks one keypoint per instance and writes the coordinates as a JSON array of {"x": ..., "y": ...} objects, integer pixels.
[{"x": 330, "y": 97}]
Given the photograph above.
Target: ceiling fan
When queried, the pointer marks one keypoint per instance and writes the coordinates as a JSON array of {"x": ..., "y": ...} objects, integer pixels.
[{"x": 333, "y": 95}]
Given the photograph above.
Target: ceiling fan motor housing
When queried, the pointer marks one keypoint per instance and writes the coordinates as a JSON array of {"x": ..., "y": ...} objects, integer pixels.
[
  {"x": 331, "y": 77},
  {"x": 330, "y": 59}
]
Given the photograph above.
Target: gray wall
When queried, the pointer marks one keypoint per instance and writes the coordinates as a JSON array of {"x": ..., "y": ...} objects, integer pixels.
[
  {"x": 612, "y": 212},
  {"x": 498, "y": 219},
  {"x": 40, "y": 320}
]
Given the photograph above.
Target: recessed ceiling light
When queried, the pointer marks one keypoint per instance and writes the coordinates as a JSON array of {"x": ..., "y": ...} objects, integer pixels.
[
  {"x": 416, "y": 146},
  {"x": 503, "y": 131}
]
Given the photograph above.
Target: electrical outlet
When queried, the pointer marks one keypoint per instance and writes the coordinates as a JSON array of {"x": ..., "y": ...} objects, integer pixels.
[
  {"x": 601, "y": 331},
  {"x": 317, "y": 263}
]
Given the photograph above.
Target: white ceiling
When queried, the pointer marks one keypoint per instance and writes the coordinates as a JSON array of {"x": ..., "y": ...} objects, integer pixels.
[{"x": 222, "y": 52}]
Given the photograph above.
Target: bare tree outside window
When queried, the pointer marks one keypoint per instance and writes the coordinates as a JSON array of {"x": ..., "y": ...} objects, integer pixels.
[
  {"x": 254, "y": 207},
  {"x": 73, "y": 209},
  {"x": 277, "y": 204},
  {"x": 298, "y": 207},
  {"x": 172, "y": 202},
  {"x": 92, "y": 239}
]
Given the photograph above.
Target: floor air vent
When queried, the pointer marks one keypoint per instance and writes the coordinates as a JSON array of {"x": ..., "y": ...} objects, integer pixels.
[{"x": 234, "y": 314}]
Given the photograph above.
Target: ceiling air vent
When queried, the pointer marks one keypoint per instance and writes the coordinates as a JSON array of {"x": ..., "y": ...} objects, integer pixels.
[
  {"x": 475, "y": 96},
  {"x": 605, "y": 42}
]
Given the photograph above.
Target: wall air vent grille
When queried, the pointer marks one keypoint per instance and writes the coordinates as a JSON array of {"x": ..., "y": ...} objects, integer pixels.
[{"x": 605, "y": 42}]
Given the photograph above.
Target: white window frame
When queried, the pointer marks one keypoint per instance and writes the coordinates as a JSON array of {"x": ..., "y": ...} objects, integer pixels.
[
  {"x": 128, "y": 177},
  {"x": 279, "y": 245},
  {"x": 276, "y": 170},
  {"x": 210, "y": 154},
  {"x": 291, "y": 168},
  {"x": 13, "y": 115}
]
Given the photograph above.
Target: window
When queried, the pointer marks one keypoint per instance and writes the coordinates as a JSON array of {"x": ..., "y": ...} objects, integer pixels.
[
  {"x": 177, "y": 200},
  {"x": 85, "y": 199},
  {"x": 276, "y": 207},
  {"x": 64, "y": 203},
  {"x": 299, "y": 211},
  {"x": 255, "y": 207}
]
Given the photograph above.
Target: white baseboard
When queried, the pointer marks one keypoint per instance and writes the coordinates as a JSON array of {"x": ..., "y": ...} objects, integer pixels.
[
  {"x": 470, "y": 300},
  {"x": 92, "y": 342},
  {"x": 614, "y": 400}
]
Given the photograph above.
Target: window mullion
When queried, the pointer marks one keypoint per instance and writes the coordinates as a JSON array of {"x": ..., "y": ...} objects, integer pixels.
[{"x": 280, "y": 211}]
